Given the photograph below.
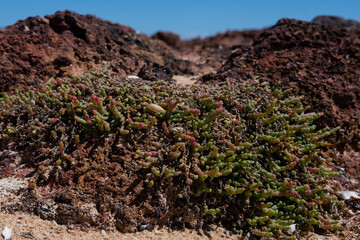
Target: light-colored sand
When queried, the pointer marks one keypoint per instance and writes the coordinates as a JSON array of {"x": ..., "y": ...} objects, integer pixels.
[
  {"x": 185, "y": 80},
  {"x": 26, "y": 226}
]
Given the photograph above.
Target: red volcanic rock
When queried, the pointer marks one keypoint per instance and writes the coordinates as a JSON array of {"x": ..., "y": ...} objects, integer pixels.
[
  {"x": 222, "y": 40},
  {"x": 67, "y": 43},
  {"x": 336, "y": 21},
  {"x": 171, "y": 39},
  {"x": 227, "y": 39}
]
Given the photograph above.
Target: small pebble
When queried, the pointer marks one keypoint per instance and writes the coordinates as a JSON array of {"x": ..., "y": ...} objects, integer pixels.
[
  {"x": 345, "y": 195},
  {"x": 292, "y": 229},
  {"x": 239, "y": 223},
  {"x": 142, "y": 227},
  {"x": 6, "y": 233},
  {"x": 132, "y": 77}
]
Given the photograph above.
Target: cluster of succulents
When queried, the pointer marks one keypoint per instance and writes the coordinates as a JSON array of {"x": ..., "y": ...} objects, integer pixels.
[{"x": 250, "y": 143}]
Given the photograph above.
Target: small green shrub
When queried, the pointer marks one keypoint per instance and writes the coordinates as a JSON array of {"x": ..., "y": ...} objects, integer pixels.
[{"x": 243, "y": 144}]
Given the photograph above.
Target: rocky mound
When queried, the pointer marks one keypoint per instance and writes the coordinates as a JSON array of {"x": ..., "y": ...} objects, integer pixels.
[
  {"x": 221, "y": 40},
  {"x": 67, "y": 43},
  {"x": 336, "y": 21},
  {"x": 319, "y": 61}
]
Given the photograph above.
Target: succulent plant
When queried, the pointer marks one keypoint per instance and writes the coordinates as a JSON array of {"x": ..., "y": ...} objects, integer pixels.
[{"x": 245, "y": 148}]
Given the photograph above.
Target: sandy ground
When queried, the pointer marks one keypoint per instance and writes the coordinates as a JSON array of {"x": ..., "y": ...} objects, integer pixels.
[
  {"x": 185, "y": 80},
  {"x": 26, "y": 226}
]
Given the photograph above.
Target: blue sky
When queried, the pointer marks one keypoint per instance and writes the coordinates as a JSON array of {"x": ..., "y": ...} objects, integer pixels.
[{"x": 188, "y": 18}]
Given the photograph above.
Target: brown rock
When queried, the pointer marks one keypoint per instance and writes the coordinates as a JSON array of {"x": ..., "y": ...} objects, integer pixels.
[{"x": 67, "y": 43}]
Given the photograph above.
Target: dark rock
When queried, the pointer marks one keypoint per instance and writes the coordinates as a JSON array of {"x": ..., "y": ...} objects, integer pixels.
[
  {"x": 332, "y": 21},
  {"x": 171, "y": 39},
  {"x": 155, "y": 72}
]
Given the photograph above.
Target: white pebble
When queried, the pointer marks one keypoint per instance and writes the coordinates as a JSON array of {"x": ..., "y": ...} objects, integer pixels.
[
  {"x": 132, "y": 77},
  {"x": 143, "y": 227},
  {"x": 345, "y": 195},
  {"x": 292, "y": 229},
  {"x": 6, "y": 233}
]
